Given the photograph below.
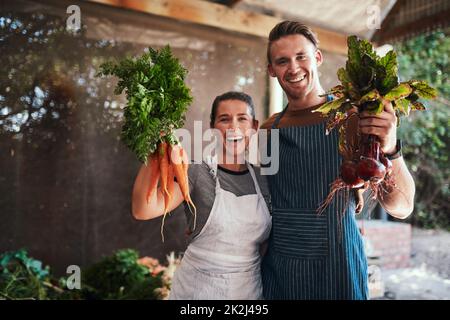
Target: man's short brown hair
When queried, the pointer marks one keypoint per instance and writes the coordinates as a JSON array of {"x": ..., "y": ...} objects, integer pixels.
[{"x": 287, "y": 28}]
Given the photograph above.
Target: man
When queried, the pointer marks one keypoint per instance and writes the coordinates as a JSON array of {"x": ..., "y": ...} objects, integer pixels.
[{"x": 314, "y": 256}]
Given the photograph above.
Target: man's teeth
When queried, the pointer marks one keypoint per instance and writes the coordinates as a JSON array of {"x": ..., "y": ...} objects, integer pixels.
[
  {"x": 237, "y": 138},
  {"x": 297, "y": 79}
]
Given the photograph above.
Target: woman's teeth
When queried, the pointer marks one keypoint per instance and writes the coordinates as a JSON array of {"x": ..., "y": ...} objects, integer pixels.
[{"x": 236, "y": 138}]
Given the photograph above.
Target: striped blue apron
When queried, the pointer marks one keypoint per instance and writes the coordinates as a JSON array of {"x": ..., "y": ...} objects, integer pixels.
[{"x": 309, "y": 257}]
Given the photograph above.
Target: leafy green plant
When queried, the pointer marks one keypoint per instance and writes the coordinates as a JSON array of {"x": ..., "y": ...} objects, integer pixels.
[
  {"x": 426, "y": 136},
  {"x": 21, "y": 256},
  {"x": 157, "y": 98},
  {"x": 22, "y": 277},
  {"x": 120, "y": 276},
  {"x": 367, "y": 82}
]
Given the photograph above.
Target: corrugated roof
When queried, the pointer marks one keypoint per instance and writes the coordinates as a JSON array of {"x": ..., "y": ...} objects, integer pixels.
[
  {"x": 381, "y": 21},
  {"x": 359, "y": 17},
  {"x": 413, "y": 17}
]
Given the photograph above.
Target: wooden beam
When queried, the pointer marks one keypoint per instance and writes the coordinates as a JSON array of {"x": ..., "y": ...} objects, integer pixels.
[{"x": 223, "y": 17}]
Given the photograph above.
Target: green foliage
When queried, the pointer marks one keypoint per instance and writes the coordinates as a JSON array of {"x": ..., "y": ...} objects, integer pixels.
[
  {"x": 21, "y": 257},
  {"x": 426, "y": 134},
  {"x": 120, "y": 277},
  {"x": 22, "y": 277},
  {"x": 157, "y": 98},
  {"x": 366, "y": 80}
]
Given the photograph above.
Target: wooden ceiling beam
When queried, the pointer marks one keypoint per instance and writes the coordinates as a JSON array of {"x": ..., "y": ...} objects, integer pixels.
[{"x": 223, "y": 17}]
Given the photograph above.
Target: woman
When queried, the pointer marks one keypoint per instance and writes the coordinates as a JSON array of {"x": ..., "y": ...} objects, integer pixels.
[{"x": 222, "y": 260}]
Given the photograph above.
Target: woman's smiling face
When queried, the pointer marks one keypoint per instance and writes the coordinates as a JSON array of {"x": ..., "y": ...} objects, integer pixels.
[{"x": 236, "y": 125}]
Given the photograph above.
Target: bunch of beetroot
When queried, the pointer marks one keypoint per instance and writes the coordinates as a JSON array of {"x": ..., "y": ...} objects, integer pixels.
[
  {"x": 371, "y": 166},
  {"x": 366, "y": 81}
]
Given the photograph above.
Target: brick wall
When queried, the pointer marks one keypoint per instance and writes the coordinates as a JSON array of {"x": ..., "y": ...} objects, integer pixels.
[{"x": 388, "y": 243}]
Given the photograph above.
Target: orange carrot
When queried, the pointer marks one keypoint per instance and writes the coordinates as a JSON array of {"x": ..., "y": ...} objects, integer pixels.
[
  {"x": 168, "y": 195},
  {"x": 185, "y": 160},
  {"x": 185, "y": 165},
  {"x": 170, "y": 187},
  {"x": 163, "y": 165},
  {"x": 180, "y": 165},
  {"x": 179, "y": 171},
  {"x": 189, "y": 201},
  {"x": 173, "y": 163},
  {"x": 154, "y": 176}
]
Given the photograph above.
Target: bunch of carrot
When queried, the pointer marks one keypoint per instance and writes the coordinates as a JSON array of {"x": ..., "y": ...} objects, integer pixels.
[
  {"x": 168, "y": 163},
  {"x": 157, "y": 101}
]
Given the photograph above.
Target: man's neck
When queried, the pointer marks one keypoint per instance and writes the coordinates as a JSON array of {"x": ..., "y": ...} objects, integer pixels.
[{"x": 311, "y": 99}]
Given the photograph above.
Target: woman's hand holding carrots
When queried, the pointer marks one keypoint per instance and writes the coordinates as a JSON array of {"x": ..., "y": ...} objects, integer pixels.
[{"x": 169, "y": 162}]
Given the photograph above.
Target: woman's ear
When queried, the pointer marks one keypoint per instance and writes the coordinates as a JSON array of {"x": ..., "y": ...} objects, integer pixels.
[{"x": 255, "y": 124}]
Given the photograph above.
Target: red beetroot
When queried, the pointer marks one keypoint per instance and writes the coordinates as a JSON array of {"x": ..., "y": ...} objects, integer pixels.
[
  {"x": 350, "y": 176},
  {"x": 371, "y": 169},
  {"x": 369, "y": 166}
]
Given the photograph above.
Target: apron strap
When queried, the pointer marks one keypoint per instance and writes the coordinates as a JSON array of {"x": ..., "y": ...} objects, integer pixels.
[
  {"x": 255, "y": 181},
  {"x": 211, "y": 161},
  {"x": 278, "y": 118}
]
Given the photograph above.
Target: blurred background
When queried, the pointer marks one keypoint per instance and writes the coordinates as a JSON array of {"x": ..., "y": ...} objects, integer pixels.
[{"x": 66, "y": 178}]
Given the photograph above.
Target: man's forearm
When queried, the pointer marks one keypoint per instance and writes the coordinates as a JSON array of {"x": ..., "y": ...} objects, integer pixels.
[{"x": 399, "y": 202}]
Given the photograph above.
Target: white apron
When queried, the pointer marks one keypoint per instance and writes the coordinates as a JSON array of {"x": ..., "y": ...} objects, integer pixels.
[{"x": 223, "y": 261}]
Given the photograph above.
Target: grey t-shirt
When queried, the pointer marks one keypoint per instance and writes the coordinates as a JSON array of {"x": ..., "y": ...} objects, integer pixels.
[{"x": 202, "y": 189}]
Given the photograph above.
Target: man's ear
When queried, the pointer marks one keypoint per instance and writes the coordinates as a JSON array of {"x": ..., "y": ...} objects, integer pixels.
[
  {"x": 319, "y": 57},
  {"x": 271, "y": 71}
]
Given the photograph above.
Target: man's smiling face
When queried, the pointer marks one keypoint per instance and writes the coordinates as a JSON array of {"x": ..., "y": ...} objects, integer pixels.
[{"x": 294, "y": 61}]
